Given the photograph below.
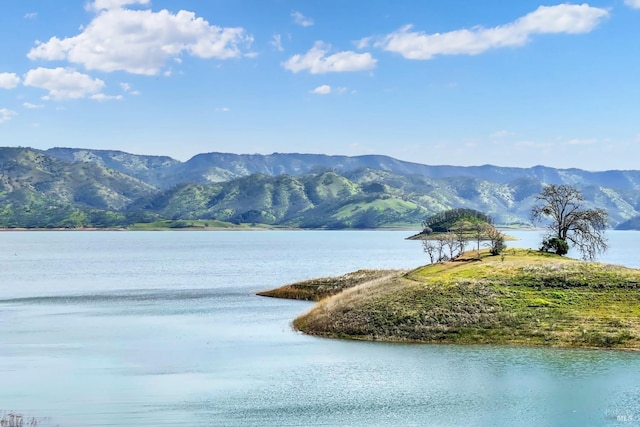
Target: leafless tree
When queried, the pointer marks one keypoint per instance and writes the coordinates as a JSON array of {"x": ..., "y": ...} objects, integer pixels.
[
  {"x": 451, "y": 243},
  {"x": 569, "y": 221},
  {"x": 479, "y": 232},
  {"x": 461, "y": 236},
  {"x": 496, "y": 240},
  {"x": 430, "y": 249},
  {"x": 441, "y": 243}
]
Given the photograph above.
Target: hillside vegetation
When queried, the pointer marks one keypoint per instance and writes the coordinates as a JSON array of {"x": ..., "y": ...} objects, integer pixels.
[
  {"x": 528, "y": 298},
  {"x": 69, "y": 187}
]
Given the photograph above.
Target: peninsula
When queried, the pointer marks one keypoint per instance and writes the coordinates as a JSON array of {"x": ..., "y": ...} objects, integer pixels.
[{"x": 523, "y": 297}]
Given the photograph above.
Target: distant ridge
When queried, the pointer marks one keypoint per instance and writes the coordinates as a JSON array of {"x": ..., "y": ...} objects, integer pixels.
[
  {"x": 84, "y": 187},
  {"x": 218, "y": 167}
]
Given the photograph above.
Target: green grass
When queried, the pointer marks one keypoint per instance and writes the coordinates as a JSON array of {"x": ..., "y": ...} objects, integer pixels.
[{"x": 527, "y": 298}]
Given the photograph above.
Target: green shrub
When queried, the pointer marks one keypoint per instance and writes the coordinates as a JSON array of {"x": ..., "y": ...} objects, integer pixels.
[{"x": 555, "y": 245}]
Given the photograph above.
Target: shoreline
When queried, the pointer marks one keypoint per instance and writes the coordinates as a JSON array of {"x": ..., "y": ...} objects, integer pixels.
[{"x": 234, "y": 228}]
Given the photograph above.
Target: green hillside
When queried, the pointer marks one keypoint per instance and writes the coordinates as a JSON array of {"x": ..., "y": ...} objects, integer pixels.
[{"x": 325, "y": 200}]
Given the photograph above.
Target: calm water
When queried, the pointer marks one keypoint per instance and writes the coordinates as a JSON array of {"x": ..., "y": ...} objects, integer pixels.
[{"x": 163, "y": 328}]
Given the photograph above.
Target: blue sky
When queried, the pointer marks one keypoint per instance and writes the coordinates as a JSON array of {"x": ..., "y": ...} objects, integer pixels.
[{"x": 517, "y": 83}]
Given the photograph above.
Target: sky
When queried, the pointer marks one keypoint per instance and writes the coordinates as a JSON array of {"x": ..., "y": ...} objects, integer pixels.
[{"x": 456, "y": 82}]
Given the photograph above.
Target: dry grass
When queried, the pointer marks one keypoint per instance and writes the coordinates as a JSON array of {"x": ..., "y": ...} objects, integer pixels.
[{"x": 320, "y": 288}]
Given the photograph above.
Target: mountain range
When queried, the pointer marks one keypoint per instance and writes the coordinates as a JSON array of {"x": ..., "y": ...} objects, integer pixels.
[{"x": 72, "y": 187}]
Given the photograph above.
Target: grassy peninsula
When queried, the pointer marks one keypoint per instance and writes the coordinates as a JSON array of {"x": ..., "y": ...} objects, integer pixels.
[{"x": 524, "y": 298}]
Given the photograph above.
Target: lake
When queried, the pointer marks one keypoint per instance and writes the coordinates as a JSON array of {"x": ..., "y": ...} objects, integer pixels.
[{"x": 164, "y": 328}]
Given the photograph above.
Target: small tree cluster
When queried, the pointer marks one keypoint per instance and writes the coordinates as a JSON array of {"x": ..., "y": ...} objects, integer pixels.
[
  {"x": 434, "y": 222},
  {"x": 444, "y": 247},
  {"x": 449, "y": 246}
]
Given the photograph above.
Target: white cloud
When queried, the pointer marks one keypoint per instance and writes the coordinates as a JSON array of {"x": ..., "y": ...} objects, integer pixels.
[
  {"x": 31, "y": 106},
  {"x": 276, "y": 42},
  {"x": 301, "y": 20},
  {"x": 9, "y": 80},
  {"x": 63, "y": 83},
  {"x": 6, "y": 115},
  {"x": 126, "y": 87},
  {"x": 223, "y": 109},
  {"x": 322, "y": 90},
  {"x": 317, "y": 63},
  {"x": 364, "y": 43},
  {"x": 103, "y": 97},
  {"x": 635, "y": 4},
  {"x": 141, "y": 41},
  {"x": 99, "y": 5},
  {"x": 31, "y": 15},
  {"x": 564, "y": 18}
]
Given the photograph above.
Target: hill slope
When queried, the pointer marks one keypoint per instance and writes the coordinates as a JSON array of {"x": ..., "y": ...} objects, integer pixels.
[
  {"x": 156, "y": 171},
  {"x": 311, "y": 201},
  {"x": 37, "y": 190}
]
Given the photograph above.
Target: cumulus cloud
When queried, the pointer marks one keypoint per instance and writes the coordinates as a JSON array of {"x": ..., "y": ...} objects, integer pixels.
[
  {"x": 316, "y": 61},
  {"x": 31, "y": 106},
  {"x": 564, "y": 18},
  {"x": 31, "y": 15},
  {"x": 322, "y": 90},
  {"x": 301, "y": 20},
  {"x": 6, "y": 115},
  {"x": 63, "y": 83},
  {"x": 635, "y": 4},
  {"x": 9, "y": 80},
  {"x": 141, "y": 41}
]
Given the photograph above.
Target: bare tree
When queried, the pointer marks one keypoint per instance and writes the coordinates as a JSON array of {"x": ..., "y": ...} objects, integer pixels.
[
  {"x": 437, "y": 247},
  {"x": 479, "y": 231},
  {"x": 569, "y": 221},
  {"x": 441, "y": 242},
  {"x": 451, "y": 243},
  {"x": 430, "y": 249},
  {"x": 496, "y": 240},
  {"x": 461, "y": 236}
]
